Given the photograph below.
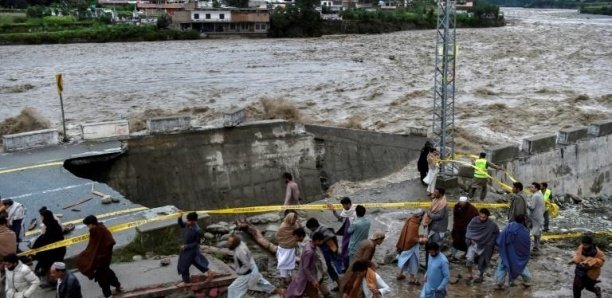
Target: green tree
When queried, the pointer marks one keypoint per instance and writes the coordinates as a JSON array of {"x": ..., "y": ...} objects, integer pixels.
[
  {"x": 164, "y": 21},
  {"x": 298, "y": 20}
]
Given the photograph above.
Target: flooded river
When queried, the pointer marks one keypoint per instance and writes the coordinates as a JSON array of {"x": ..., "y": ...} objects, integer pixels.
[{"x": 547, "y": 69}]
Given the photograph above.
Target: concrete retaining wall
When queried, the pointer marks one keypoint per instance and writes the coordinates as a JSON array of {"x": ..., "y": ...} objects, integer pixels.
[
  {"x": 537, "y": 144},
  {"x": 601, "y": 128},
  {"x": 242, "y": 166},
  {"x": 579, "y": 164},
  {"x": 234, "y": 117},
  {"x": 168, "y": 124},
  {"x": 30, "y": 140},
  {"x": 105, "y": 130},
  {"x": 354, "y": 155},
  {"x": 216, "y": 168},
  {"x": 571, "y": 135}
]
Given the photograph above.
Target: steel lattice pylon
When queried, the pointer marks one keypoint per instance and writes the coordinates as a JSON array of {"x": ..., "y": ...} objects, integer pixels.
[{"x": 444, "y": 84}]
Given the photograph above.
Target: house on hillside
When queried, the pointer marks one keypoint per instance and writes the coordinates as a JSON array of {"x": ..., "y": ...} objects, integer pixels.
[
  {"x": 464, "y": 5},
  {"x": 160, "y": 8}
]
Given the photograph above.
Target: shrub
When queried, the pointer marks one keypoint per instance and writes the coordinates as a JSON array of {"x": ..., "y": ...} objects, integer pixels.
[
  {"x": 164, "y": 21},
  {"x": 35, "y": 11},
  {"x": 59, "y": 20}
]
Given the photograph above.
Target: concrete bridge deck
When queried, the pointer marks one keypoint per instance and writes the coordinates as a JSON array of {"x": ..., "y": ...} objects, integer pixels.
[{"x": 37, "y": 178}]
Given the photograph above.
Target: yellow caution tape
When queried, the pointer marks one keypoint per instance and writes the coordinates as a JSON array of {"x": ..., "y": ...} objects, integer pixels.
[
  {"x": 573, "y": 235},
  {"x": 101, "y": 216},
  {"x": 48, "y": 164},
  {"x": 259, "y": 209},
  {"x": 113, "y": 229},
  {"x": 240, "y": 210},
  {"x": 503, "y": 185}
]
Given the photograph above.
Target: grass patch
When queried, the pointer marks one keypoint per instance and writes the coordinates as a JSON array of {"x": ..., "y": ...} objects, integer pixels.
[{"x": 162, "y": 243}]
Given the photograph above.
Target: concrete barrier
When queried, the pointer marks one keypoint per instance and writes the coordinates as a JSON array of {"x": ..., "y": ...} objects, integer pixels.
[
  {"x": 502, "y": 153},
  {"x": 465, "y": 171},
  {"x": 601, "y": 128},
  {"x": 417, "y": 131},
  {"x": 537, "y": 144},
  {"x": 167, "y": 124},
  {"x": 30, "y": 140},
  {"x": 234, "y": 117},
  {"x": 105, "y": 130},
  {"x": 571, "y": 135}
]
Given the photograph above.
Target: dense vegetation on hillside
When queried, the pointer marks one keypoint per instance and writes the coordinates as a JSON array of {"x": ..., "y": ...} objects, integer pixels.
[{"x": 302, "y": 19}]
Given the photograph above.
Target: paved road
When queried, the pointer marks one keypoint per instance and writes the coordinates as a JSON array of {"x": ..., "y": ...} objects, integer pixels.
[{"x": 37, "y": 178}]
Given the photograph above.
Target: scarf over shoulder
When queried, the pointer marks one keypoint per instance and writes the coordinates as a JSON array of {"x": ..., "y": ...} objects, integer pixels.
[
  {"x": 436, "y": 206},
  {"x": 483, "y": 233},
  {"x": 98, "y": 253},
  {"x": 284, "y": 235},
  {"x": 410, "y": 234}
]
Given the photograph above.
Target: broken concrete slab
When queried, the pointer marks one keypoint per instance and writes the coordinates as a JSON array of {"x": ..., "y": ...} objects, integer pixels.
[
  {"x": 502, "y": 153},
  {"x": 156, "y": 225},
  {"x": 149, "y": 279},
  {"x": 600, "y": 128},
  {"x": 447, "y": 182},
  {"x": 465, "y": 171},
  {"x": 571, "y": 135},
  {"x": 541, "y": 143}
]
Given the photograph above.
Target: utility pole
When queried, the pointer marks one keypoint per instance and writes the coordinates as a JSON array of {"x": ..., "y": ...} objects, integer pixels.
[
  {"x": 444, "y": 84},
  {"x": 60, "y": 89}
]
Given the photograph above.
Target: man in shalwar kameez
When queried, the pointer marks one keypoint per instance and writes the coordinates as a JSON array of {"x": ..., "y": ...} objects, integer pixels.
[
  {"x": 347, "y": 216},
  {"x": 190, "y": 251},
  {"x": 305, "y": 282}
]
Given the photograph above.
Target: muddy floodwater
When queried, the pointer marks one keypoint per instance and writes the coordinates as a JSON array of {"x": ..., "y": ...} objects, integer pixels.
[{"x": 545, "y": 70}]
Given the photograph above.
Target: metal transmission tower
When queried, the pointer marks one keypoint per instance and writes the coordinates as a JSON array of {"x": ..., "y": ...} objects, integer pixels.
[{"x": 444, "y": 85}]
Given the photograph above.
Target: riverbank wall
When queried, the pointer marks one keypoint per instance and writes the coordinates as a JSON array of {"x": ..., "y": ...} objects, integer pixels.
[
  {"x": 572, "y": 161},
  {"x": 243, "y": 165}
]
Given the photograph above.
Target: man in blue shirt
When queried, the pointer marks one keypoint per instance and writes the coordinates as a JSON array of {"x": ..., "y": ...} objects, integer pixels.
[
  {"x": 358, "y": 231},
  {"x": 436, "y": 277}
]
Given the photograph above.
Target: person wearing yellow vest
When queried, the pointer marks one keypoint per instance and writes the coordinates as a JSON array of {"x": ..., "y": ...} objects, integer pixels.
[
  {"x": 547, "y": 201},
  {"x": 481, "y": 176}
]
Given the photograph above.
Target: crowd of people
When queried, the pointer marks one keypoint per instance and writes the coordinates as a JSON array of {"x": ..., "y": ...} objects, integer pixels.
[{"x": 326, "y": 265}]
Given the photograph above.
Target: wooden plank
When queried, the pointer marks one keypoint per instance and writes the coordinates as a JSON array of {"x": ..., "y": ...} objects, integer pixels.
[{"x": 163, "y": 290}]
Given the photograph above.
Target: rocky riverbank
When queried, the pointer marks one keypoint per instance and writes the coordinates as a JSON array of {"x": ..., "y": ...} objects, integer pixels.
[{"x": 552, "y": 275}]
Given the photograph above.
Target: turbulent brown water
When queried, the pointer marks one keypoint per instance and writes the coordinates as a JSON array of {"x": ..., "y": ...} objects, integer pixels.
[{"x": 546, "y": 70}]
